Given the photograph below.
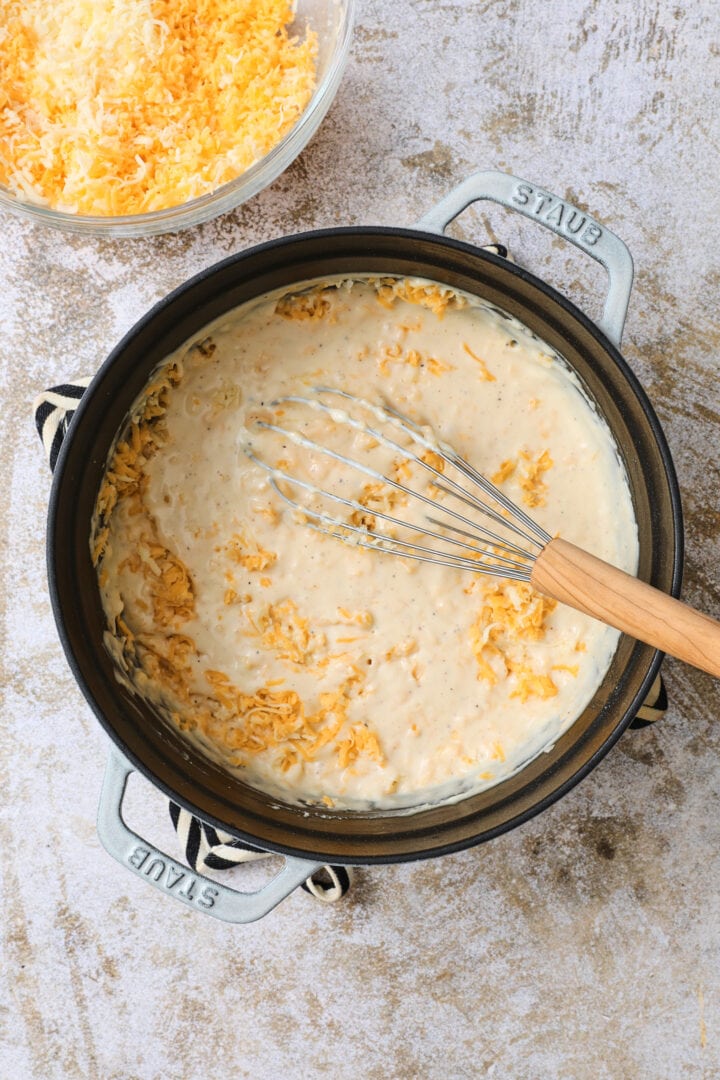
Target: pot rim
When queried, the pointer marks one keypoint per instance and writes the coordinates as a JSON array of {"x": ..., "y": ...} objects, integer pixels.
[{"x": 451, "y": 244}]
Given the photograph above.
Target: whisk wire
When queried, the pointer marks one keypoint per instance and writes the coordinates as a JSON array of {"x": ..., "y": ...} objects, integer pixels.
[
  {"x": 402, "y": 548},
  {"x": 390, "y": 415},
  {"x": 467, "y": 469},
  {"x": 340, "y": 529},
  {"x": 488, "y": 551},
  {"x": 450, "y": 456},
  {"x": 485, "y": 536}
]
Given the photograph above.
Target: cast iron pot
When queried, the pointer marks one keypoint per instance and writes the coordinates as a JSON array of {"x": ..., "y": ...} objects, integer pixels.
[{"x": 311, "y": 838}]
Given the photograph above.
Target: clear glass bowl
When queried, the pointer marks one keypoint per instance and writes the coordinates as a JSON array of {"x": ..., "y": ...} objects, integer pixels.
[{"x": 332, "y": 21}]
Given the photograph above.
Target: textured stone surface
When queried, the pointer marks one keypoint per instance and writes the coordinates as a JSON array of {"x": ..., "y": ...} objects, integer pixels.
[{"x": 585, "y": 944}]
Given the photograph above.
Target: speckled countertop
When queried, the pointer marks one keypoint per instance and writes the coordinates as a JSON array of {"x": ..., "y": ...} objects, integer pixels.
[{"x": 585, "y": 944}]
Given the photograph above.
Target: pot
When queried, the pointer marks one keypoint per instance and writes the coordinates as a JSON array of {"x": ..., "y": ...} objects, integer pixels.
[{"x": 312, "y": 837}]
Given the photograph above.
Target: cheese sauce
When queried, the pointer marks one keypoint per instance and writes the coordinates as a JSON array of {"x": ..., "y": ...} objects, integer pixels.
[{"x": 326, "y": 673}]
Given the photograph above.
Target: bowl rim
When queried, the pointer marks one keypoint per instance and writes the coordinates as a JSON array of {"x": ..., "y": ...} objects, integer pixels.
[
  {"x": 222, "y": 199},
  {"x": 436, "y": 845}
]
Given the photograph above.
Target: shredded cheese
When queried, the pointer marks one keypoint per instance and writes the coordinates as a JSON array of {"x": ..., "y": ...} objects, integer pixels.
[
  {"x": 378, "y": 498},
  {"x": 304, "y": 307},
  {"x": 170, "y": 583},
  {"x": 127, "y": 106},
  {"x": 271, "y": 719},
  {"x": 412, "y": 358},
  {"x": 266, "y": 720},
  {"x": 360, "y": 741},
  {"x": 427, "y": 294},
  {"x": 284, "y": 631},
  {"x": 532, "y": 483},
  {"x": 507, "y": 468},
  {"x": 484, "y": 372},
  {"x": 512, "y": 614},
  {"x": 357, "y": 618},
  {"x": 529, "y": 472},
  {"x": 248, "y": 553},
  {"x": 403, "y": 648},
  {"x": 125, "y": 477},
  {"x": 530, "y": 683}
]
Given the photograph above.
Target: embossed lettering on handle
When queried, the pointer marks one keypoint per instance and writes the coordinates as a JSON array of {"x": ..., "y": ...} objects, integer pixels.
[
  {"x": 175, "y": 879},
  {"x": 562, "y": 218},
  {"x": 170, "y": 877},
  {"x": 558, "y": 214}
]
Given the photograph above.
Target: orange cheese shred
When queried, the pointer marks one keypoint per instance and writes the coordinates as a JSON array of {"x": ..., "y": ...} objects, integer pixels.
[
  {"x": 248, "y": 553},
  {"x": 435, "y": 298},
  {"x": 511, "y": 615},
  {"x": 532, "y": 483},
  {"x": 529, "y": 473},
  {"x": 485, "y": 374},
  {"x": 304, "y": 307}
]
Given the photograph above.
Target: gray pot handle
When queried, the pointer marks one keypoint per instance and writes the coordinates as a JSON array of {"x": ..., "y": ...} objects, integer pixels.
[
  {"x": 175, "y": 878},
  {"x": 560, "y": 217}
]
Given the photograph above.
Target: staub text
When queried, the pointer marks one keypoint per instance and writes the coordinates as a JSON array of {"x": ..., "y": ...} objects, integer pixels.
[
  {"x": 560, "y": 215},
  {"x": 172, "y": 878}
]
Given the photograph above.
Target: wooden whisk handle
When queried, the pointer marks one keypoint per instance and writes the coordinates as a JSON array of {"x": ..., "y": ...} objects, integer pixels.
[{"x": 574, "y": 577}]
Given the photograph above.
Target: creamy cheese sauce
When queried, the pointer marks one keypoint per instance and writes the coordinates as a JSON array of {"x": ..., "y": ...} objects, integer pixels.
[{"x": 323, "y": 672}]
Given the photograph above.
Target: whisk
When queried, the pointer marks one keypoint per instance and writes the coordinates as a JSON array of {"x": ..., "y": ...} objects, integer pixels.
[{"x": 465, "y": 522}]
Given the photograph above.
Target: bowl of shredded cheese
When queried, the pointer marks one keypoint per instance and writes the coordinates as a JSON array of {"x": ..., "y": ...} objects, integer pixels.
[{"x": 137, "y": 117}]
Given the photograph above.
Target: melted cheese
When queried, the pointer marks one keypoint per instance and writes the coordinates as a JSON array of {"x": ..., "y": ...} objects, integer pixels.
[{"x": 128, "y": 106}]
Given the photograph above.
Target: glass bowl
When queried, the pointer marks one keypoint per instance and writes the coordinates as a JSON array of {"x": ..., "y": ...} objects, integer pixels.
[{"x": 332, "y": 21}]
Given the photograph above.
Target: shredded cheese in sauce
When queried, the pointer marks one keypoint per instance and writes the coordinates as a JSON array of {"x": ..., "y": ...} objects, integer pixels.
[
  {"x": 128, "y": 106},
  {"x": 512, "y": 614}
]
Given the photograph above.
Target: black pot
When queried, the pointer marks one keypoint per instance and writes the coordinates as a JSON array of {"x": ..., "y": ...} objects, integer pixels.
[{"x": 163, "y": 756}]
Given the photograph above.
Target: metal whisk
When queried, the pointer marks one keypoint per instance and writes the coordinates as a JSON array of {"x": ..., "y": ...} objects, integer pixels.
[{"x": 458, "y": 518}]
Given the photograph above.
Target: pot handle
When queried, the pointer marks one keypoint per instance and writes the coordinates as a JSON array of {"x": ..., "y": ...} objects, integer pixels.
[
  {"x": 560, "y": 217},
  {"x": 175, "y": 878}
]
